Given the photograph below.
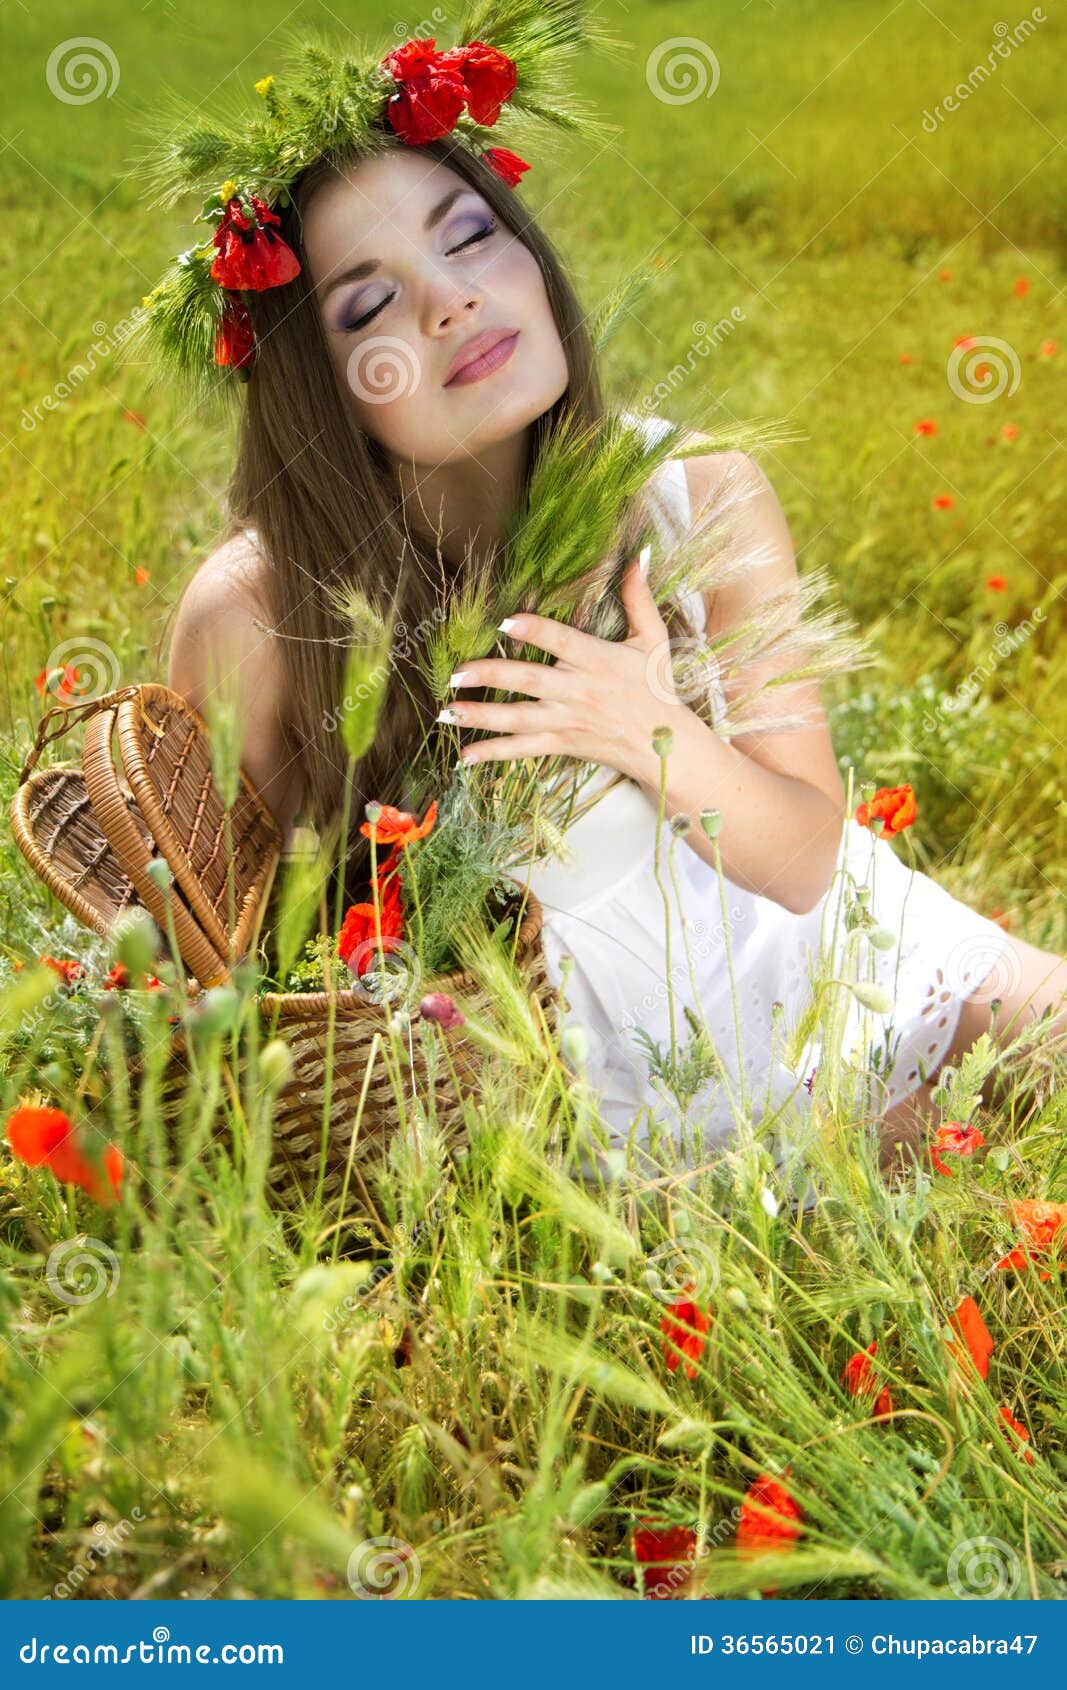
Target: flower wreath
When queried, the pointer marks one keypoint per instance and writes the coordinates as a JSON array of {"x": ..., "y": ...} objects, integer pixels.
[{"x": 513, "y": 56}]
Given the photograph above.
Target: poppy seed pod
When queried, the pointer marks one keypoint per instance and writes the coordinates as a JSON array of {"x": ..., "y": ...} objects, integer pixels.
[{"x": 711, "y": 822}]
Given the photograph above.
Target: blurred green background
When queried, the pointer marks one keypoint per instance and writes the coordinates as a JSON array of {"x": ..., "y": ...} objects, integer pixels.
[{"x": 804, "y": 176}]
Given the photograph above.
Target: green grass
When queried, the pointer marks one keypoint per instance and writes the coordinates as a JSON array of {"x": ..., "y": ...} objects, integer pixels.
[{"x": 256, "y": 1402}]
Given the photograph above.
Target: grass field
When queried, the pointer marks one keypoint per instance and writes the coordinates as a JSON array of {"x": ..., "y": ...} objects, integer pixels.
[{"x": 493, "y": 1415}]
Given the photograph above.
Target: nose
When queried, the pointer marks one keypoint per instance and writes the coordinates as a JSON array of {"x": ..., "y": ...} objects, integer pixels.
[{"x": 449, "y": 300}]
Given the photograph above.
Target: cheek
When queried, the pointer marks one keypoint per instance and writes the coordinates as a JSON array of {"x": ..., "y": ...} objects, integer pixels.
[
  {"x": 381, "y": 371},
  {"x": 516, "y": 276},
  {"x": 535, "y": 313}
]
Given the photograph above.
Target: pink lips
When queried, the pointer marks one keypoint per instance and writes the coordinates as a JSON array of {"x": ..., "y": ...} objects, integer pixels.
[{"x": 482, "y": 355}]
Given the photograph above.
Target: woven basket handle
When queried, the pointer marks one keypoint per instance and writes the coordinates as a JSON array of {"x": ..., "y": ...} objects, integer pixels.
[{"x": 70, "y": 715}]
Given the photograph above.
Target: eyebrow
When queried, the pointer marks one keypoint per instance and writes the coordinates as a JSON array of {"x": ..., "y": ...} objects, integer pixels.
[{"x": 356, "y": 272}]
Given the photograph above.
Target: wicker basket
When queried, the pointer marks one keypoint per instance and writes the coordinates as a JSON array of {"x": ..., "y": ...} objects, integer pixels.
[{"x": 144, "y": 791}]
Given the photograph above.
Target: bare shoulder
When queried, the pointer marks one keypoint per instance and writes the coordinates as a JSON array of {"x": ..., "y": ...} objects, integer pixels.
[
  {"x": 229, "y": 583},
  {"x": 222, "y": 649},
  {"x": 710, "y": 474},
  {"x": 221, "y": 620}
]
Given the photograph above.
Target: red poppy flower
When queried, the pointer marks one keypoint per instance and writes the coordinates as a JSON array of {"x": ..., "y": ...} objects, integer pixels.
[
  {"x": 896, "y": 806},
  {"x": 996, "y": 583},
  {"x": 235, "y": 342},
  {"x": 62, "y": 683},
  {"x": 1049, "y": 348},
  {"x": 1042, "y": 1223},
  {"x": 508, "y": 165},
  {"x": 684, "y": 1326},
  {"x": 66, "y": 967},
  {"x": 42, "y": 1136},
  {"x": 136, "y": 419},
  {"x": 667, "y": 1552},
  {"x": 430, "y": 92},
  {"x": 944, "y": 275},
  {"x": 250, "y": 255},
  {"x": 954, "y": 1138},
  {"x": 488, "y": 76},
  {"x": 769, "y": 1519},
  {"x": 1020, "y": 1432},
  {"x": 398, "y": 827},
  {"x": 968, "y": 1322},
  {"x": 1022, "y": 286},
  {"x": 858, "y": 1377},
  {"x": 141, "y": 575},
  {"x": 117, "y": 979},
  {"x": 926, "y": 425},
  {"x": 906, "y": 358},
  {"x": 362, "y": 923},
  {"x": 944, "y": 501}
]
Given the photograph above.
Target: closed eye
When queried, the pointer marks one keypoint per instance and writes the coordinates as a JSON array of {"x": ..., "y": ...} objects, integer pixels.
[{"x": 369, "y": 316}]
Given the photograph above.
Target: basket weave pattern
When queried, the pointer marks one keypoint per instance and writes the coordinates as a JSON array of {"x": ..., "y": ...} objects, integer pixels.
[{"x": 145, "y": 791}]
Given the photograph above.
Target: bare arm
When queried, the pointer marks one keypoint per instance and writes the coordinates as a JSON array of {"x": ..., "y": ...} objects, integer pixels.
[
  {"x": 217, "y": 653},
  {"x": 780, "y": 793}
]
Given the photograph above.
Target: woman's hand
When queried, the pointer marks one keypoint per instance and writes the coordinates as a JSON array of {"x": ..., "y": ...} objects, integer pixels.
[{"x": 599, "y": 701}]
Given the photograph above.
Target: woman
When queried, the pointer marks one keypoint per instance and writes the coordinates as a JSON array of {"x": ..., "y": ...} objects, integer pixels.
[{"x": 406, "y": 378}]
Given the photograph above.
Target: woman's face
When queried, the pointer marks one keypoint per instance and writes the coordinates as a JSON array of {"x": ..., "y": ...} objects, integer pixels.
[{"x": 413, "y": 274}]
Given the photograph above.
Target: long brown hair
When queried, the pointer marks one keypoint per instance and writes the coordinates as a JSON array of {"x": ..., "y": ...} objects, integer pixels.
[{"x": 327, "y": 511}]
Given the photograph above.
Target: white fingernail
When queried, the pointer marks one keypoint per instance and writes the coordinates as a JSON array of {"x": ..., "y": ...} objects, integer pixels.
[
  {"x": 507, "y": 624},
  {"x": 447, "y": 715},
  {"x": 644, "y": 558},
  {"x": 461, "y": 678}
]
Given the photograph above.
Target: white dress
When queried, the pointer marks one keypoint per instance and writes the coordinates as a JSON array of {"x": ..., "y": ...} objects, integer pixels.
[{"x": 605, "y": 913}]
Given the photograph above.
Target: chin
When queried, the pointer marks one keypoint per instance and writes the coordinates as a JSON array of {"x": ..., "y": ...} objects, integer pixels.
[{"x": 496, "y": 410}]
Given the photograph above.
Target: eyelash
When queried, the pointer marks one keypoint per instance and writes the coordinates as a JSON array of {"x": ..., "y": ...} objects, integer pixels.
[{"x": 478, "y": 235}]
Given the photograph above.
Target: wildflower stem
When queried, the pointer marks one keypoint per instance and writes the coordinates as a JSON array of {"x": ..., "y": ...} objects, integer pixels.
[
  {"x": 733, "y": 982},
  {"x": 666, "y": 898}
]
